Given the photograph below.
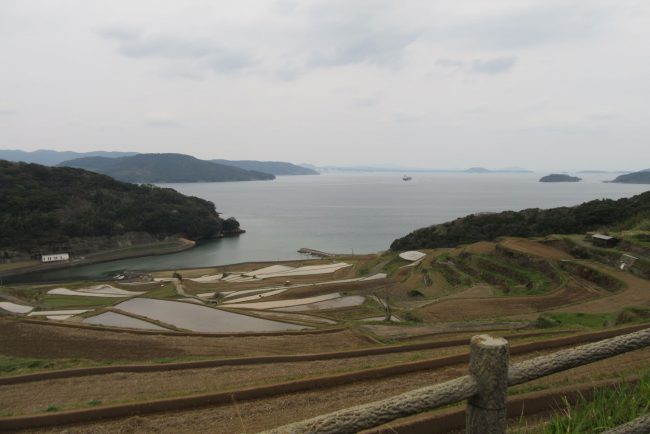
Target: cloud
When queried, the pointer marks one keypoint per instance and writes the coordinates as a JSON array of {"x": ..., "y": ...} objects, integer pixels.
[
  {"x": 532, "y": 25},
  {"x": 137, "y": 44},
  {"x": 161, "y": 120},
  {"x": 449, "y": 63},
  {"x": 339, "y": 32},
  {"x": 293, "y": 40},
  {"x": 6, "y": 110},
  {"x": 494, "y": 66},
  {"x": 369, "y": 101},
  {"x": 408, "y": 117},
  {"x": 498, "y": 65},
  {"x": 603, "y": 116}
]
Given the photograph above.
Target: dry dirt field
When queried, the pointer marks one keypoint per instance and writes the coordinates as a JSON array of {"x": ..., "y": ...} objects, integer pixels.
[
  {"x": 449, "y": 313},
  {"x": 24, "y": 339}
]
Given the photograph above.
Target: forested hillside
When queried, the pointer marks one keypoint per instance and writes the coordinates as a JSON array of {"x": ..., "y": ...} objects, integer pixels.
[
  {"x": 642, "y": 177},
  {"x": 164, "y": 168},
  {"x": 49, "y": 157},
  {"x": 529, "y": 223},
  {"x": 51, "y": 204},
  {"x": 272, "y": 167}
]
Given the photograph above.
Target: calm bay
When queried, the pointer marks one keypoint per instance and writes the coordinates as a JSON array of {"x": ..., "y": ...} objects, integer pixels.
[{"x": 351, "y": 212}]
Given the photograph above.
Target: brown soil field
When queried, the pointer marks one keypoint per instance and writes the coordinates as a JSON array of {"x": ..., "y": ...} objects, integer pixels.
[
  {"x": 478, "y": 290},
  {"x": 458, "y": 309},
  {"x": 482, "y": 247},
  {"x": 637, "y": 293},
  {"x": 252, "y": 416},
  {"x": 524, "y": 245},
  {"x": 22, "y": 339},
  {"x": 126, "y": 387}
]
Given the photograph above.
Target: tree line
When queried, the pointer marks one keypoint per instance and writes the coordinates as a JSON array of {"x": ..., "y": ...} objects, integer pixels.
[
  {"x": 40, "y": 204},
  {"x": 589, "y": 216}
]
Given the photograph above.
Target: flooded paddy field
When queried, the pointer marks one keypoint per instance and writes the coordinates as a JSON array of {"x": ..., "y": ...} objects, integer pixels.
[
  {"x": 201, "y": 318},
  {"x": 114, "y": 319}
]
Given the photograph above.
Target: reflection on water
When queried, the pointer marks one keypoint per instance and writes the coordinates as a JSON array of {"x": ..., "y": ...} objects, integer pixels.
[
  {"x": 201, "y": 318},
  {"x": 113, "y": 319}
]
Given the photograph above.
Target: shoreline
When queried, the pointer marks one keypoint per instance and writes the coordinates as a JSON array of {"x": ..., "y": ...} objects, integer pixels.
[{"x": 153, "y": 249}]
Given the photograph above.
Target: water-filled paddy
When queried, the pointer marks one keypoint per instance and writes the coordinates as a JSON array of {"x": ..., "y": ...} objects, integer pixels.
[
  {"x": 113, "y": 319},
  {"x": 336, "y": 303},
  {"x": 201, "y": 318},
  {"x": 285, "y": 303}
]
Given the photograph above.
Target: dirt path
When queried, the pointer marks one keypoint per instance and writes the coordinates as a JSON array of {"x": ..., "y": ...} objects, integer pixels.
[
  {"x": 524, "y": 245},
  {"x": 637, "y": 293}
]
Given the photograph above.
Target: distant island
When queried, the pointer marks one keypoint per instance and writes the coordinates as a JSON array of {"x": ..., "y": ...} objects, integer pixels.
[
  {"x": 477, "y": 170},
  {"x": 641, "y": 177},
  {"x": 506, "y": 170},
  {"x": 557, "y": 177},
  {"x": 48, "y": 157},
  {"x": 278, "y": 168},
  {"x": 532, "y": 222},
  {"x": 383, "y": 168},
  {"x": 150, "y": 168},
  {"x": 60, "y": 209}
]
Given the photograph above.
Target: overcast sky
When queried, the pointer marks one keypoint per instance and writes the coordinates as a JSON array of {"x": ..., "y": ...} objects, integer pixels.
[{"x": 447, "y": 84}]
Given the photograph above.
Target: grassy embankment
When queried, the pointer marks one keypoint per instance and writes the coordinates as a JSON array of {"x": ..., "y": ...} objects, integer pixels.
[{"x": 608, "y": 408}]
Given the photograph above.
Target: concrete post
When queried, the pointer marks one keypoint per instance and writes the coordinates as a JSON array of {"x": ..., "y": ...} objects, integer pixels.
[{"x": 488, "y": 364}]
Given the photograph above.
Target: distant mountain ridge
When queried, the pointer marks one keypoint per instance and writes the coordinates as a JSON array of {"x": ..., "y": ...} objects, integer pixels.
[
  {"x": 48, "y": 157},
  {"x": 152, "y": 168},
  {"x": 279, "y": 168},
  {"x": 640, "y": 177}
]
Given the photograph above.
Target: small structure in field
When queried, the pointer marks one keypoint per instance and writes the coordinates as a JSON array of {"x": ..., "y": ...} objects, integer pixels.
[
  {"x": 626, "y": 261},
  {"x": 412, "y": 255},
  {"x": 55, "y": 257},
  {"x": 602, "y": 240}
]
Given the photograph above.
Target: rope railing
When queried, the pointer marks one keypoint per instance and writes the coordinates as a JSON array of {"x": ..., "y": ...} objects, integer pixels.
[{"x": 484, "y": 387}]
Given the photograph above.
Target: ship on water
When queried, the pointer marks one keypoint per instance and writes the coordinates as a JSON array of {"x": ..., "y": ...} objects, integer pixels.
[{"x": 406, "y": 178}]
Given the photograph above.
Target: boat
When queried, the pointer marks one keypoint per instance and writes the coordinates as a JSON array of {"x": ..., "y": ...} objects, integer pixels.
[{"x": 406, "y": 178}]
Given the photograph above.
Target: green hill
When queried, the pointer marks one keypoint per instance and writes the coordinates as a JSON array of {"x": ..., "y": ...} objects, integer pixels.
[
  {"x": 279, "y": 168},
  {"x": 557, "y": 177},
  {"x": 529, "y": 223},
  {"x": 147, "y": 168},
  {"x": 642, "y": 177},
  {"x": 52, "y": 158},
  {"x": 43, "y": 205}
]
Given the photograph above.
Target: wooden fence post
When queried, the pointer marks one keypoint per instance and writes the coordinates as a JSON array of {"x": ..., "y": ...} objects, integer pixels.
[{"x": 488, "y": 364}]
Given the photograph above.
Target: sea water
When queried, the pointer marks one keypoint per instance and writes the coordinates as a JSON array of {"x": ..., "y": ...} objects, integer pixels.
[{"x": 351, "y": 212}]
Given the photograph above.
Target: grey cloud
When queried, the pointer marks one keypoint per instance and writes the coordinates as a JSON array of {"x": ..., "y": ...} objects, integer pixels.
[
  {"x": 368, "y": 101},
  {"x": 161, "y": 120},
  {"x": 136, "y": 44},
  {"x": 602, "y": 116},
  {"x": 346, "y": 33},
  {"x": 542, "y": 23},
  {"x": 494, "y": 66},
  {"x": 369, "y": 47},
  {"x": 404, "y": 117},
  {"x": 7, "y": 112},
  {"x": 330, "y": 33},
  {"x": 449, "y": 63},
  {"x": 162, "y": 123}
]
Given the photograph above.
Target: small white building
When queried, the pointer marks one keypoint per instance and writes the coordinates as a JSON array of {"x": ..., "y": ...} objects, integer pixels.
[{"x": 56, "y": 257}]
